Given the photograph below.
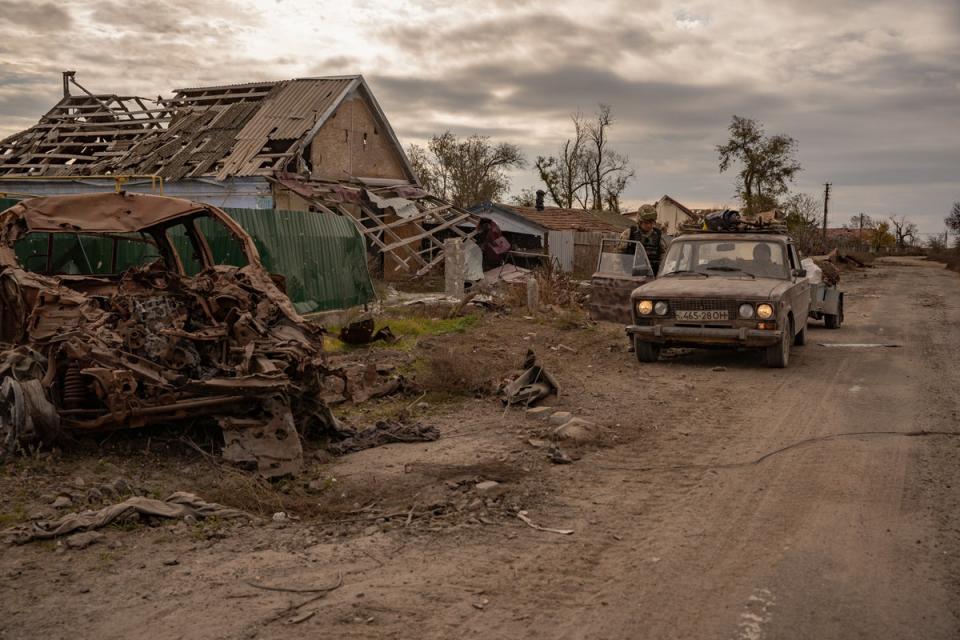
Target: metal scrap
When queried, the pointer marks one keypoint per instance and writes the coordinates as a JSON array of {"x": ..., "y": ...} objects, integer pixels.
[
  {"x": 152, "y": 344},
  {"x": 178, "y": 505},
  {"x": 531, "y": 386},
  {"x": 385, "y": 432}
]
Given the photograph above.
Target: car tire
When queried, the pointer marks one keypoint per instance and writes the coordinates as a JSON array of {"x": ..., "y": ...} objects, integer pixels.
[
  {"x": 834, "y": 321},
  {"x": 646, "y": 351},
  {"x": 801, "y": 338},
  {"x": 778, "y": 355}
]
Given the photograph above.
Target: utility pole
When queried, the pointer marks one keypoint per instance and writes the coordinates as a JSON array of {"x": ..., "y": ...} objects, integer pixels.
[
  {"x": 861, "y": 231},
  {"x": 826, "y": 208}
]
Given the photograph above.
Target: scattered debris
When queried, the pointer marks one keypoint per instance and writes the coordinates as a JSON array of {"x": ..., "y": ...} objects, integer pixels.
[
  {"x": 140, "y": 342},
  {"x": 857, "y": 345},
  {"x": 533, "y": 385},
  {"x": 384, "y": 432},
  {"x": 523, "y": 516},
  {"x": 178, "y": 505},
  {"x": 362, "y": 332},
  {"x": 559, "y": 456}
]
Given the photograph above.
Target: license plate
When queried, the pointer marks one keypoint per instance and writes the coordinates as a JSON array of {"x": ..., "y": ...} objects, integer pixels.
[{"x": 702, "y": 315}]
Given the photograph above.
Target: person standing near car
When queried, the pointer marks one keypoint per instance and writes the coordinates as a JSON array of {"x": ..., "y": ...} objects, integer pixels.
[{"x": 647, "y": 234}]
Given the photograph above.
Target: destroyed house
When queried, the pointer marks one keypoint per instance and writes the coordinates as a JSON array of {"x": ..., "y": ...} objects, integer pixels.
[
  {"x": 320, "y": 128},
  {"x": 321, "y": 145},
  {"x": 569, "y": 238}
]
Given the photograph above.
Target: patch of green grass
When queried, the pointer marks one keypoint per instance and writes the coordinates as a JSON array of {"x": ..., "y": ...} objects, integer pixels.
[
  {"x": 16, "y": 516},
  {"x": 407, "y": 328}
]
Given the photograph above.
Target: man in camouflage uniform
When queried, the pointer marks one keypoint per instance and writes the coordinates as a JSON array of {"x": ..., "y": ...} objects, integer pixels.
[{"x": 647, "y": 234}]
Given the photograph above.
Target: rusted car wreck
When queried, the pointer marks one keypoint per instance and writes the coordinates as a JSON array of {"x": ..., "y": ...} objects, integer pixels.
[{"x": 113, "y": 315}]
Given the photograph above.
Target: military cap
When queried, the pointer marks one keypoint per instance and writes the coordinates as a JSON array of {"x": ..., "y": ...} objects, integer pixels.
[{"x": 647, "y": 216}]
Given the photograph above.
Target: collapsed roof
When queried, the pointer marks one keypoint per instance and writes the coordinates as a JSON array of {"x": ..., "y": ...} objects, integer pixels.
[{"x": 252, "y": 129}]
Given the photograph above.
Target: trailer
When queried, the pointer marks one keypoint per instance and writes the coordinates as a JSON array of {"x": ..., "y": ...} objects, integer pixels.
[{"x": 826, "y": 303}]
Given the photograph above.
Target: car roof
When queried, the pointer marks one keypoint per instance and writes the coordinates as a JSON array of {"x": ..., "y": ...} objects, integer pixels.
[
  {"x": 752, "y": 237},
  {"x": 114, "y": 212}
]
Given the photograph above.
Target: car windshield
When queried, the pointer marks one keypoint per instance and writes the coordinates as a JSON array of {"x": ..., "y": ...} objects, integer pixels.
[{"x": 729, "y": 258}]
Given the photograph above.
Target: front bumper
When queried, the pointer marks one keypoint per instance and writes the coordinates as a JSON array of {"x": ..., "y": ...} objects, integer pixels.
[{"x": 735, "y": 337}]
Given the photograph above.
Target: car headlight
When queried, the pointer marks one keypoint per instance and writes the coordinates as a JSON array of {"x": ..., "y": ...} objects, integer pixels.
[
  {"x": 746, "y": 310},
  {"x": 660, "y": 308},
  {"x": 764, "y": 311},
  {"x": 645, "y": 307}
]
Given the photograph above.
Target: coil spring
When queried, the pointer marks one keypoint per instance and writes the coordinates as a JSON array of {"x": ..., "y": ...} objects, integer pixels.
[{"x": 74, "y": 389}]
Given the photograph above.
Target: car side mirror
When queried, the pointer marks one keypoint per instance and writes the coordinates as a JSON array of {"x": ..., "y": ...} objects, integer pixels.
[{"x": 801, "y": 273}]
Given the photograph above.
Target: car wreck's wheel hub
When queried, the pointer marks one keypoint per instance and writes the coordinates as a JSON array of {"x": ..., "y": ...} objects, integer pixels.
[
  {"x": 13, "y": 415},
  {"x": 26, "y": 416}
]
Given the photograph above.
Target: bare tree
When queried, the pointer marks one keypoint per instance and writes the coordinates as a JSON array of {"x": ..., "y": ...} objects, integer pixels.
[
  {"x": 465, "y": 171},
  {"x": 565, "y": 174},
  {"x": 587, "y": 173},
  {"x": 767, "y": 163},
  {"x": 861, "y": 221},
  {"x": 609, "y": 172},
  {"x": 903, "y": 230}
]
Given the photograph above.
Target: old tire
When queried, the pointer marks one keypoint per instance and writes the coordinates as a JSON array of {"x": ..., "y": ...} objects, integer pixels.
[
  {"x": 778, "y": 355},
  {"x": 646, "y": 351}
]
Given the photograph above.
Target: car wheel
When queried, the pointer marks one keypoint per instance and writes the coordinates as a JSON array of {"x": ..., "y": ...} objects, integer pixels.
[
  {"x": 834, "y": 321},
  {"x": 646, "y": 351},
  {"x": 778, "y": 355},
  {"x": 801, "y": 338}
]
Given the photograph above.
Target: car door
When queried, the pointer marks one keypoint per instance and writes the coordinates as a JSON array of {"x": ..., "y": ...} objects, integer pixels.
[{"x": 800, "y": 291}]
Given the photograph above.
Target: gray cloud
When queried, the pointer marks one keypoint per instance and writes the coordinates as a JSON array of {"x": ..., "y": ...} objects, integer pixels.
[
  {"x": 869, "y": 88},
  {"x": 26, "y": 15}
]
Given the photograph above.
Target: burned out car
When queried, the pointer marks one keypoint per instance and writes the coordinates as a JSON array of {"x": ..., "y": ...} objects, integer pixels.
[
  {"x": 724, "y": 290},
  {"x": 114, "y": 315}
]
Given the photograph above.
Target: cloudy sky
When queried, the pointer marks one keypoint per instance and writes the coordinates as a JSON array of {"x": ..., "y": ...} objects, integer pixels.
[{"x": 869, "y": 88}]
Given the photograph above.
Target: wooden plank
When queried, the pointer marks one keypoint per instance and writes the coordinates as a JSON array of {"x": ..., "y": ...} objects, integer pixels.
[
  {"x": 218, "y": 96},
  {"x": 425, "y": 234}
]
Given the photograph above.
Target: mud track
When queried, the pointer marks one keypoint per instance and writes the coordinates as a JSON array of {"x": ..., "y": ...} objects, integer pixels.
[{"x": 735, "y": 503}]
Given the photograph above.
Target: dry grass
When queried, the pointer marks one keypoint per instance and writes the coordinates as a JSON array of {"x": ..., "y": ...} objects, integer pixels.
[{"x": 949, "y": 257}]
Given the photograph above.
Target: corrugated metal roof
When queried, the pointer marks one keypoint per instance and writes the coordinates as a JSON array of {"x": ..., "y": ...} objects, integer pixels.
[{"x": 293, "y": 109}]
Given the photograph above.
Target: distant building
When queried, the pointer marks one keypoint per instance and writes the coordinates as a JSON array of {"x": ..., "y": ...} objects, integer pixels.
[{"x": 671, "y": 214}]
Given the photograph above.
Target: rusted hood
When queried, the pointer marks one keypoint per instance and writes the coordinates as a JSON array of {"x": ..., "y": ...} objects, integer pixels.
[
  {"x": 691, "y": 286},
  {"x": 98, "y": 212}
]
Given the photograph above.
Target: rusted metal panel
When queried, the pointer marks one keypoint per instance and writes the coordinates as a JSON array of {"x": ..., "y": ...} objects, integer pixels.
[{"x": 153, "y": 344}]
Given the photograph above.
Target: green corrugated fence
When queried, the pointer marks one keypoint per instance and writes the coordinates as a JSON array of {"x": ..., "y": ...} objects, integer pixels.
[{"x": 322, "y": 256}]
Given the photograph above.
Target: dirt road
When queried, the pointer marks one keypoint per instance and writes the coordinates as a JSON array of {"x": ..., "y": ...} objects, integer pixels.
[{"x": 728, "y": 501}]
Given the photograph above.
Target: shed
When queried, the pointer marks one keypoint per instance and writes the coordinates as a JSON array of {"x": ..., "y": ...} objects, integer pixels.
[{"x": 570, "y": 238}]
